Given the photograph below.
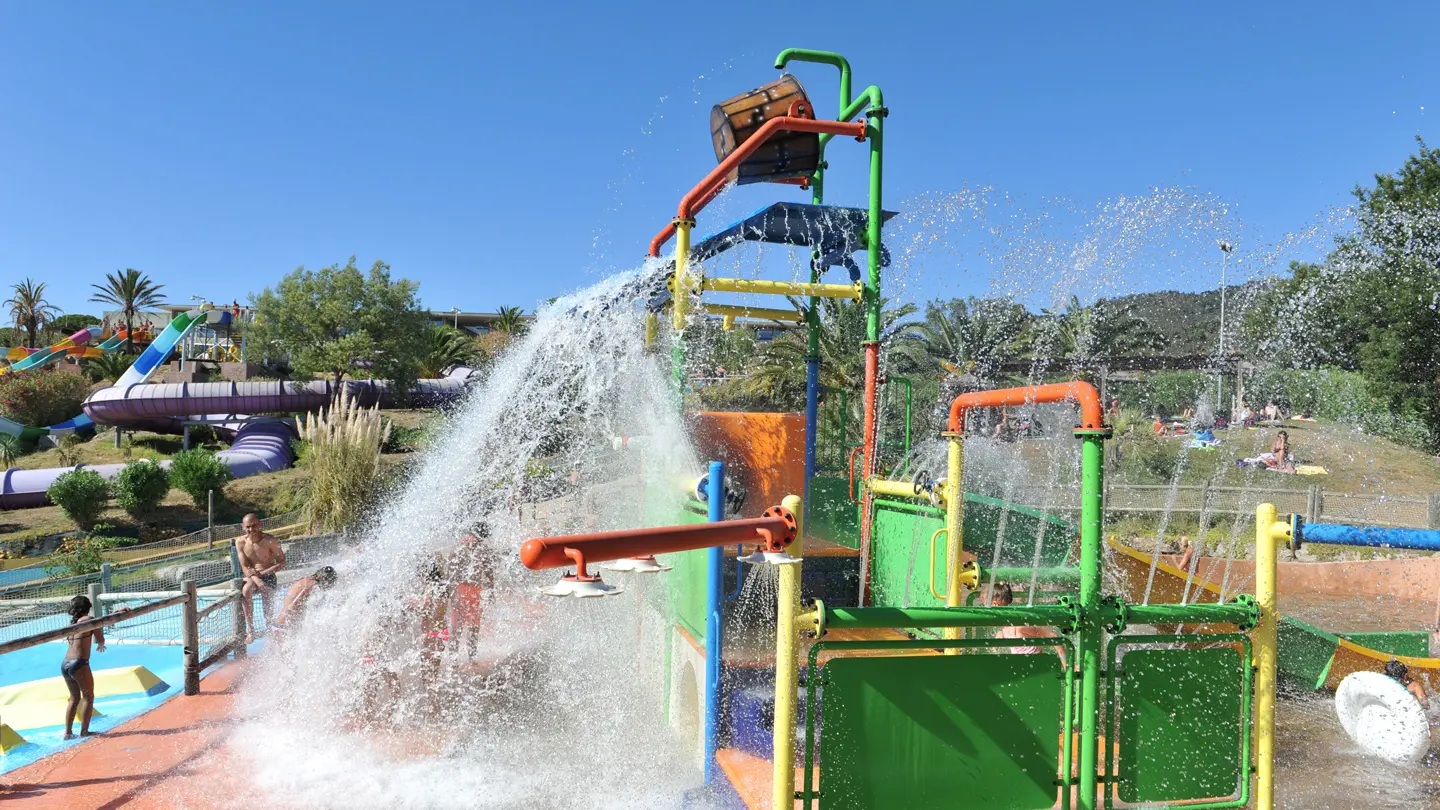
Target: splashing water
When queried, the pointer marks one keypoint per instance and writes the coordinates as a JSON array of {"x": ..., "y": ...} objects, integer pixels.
[{"x": 359, "y": 709}]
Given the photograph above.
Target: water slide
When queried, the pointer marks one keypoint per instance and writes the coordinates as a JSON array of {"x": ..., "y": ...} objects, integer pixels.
[
  {"x": 235, "y": 410},
  {"x": 1310, "y": 655},
  {"x": 77, "y": 345}
]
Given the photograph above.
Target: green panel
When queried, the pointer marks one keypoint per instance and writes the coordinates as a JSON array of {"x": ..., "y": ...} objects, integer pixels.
[
  {"x": 900, "y": 557},
  {"x": 900, "y": 550},
  {"x": 1180, "y": 724},
  {"x": 1305, "y": 650},
  {"x": 831, "y": 516},
  {"x": 973, "y": 731},
  {"x": 1415, "y": 644},
  {"x": 687, "y": 582}
]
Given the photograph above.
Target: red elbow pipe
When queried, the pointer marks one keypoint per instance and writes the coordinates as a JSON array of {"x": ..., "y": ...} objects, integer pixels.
[
  {"x": 709, "y": 188},
  {"x": 1092, "y": 414},
  {"x": 777, "y": 528}
]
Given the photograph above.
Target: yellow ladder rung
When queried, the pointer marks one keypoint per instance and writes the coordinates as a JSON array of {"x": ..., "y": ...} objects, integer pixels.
[{"x": 744, "y": 285}]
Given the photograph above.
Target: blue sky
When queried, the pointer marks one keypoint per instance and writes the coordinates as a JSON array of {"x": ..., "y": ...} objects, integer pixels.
[{"x": 502, "y": 154}]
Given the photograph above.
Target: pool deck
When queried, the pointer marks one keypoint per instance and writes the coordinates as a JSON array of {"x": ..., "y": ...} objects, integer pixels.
[{"x": 164, "y": 758}]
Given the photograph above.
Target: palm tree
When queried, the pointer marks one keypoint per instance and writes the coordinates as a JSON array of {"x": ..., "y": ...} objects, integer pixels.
[
  {"x": 108, "y": 367},
  {"x": 510, "y": 319},
  {"x": 129, "y": 291},
  {"x": 974, "y": 334},
  {"x": 446, "y": 346},
  {"x": 778, "y": 372},
  {"x": 29, "y": 309},
  {"x": 1099, "y": 332}
]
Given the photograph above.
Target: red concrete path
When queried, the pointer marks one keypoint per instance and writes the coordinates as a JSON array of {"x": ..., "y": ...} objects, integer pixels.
[{"x": 166, "y": 758}]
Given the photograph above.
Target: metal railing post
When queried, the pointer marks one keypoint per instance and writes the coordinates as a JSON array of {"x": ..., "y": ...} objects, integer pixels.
[
  {"x": 190, "y": 637},
  {"x": 237, "y": 620},
  {"x": 95, "y": 589}
]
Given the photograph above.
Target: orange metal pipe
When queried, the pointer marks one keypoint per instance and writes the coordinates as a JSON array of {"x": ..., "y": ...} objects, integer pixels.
[
  {"x": 776, "y": 529},
  {"x": 1092, "y": 415},
  {"x": 710, "y": 187}
]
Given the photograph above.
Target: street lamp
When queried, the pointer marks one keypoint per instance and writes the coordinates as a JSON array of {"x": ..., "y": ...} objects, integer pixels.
[
  {"x": 456, "y": 312},
  {"x": 1225, "y": 250}
]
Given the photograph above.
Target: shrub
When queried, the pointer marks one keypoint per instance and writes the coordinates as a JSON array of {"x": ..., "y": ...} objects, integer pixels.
[
  {"x": 344, "y": 460},
  {"x": 82, "y": 558},
  {"x": 141, "y": 486},
  {"x": 68, "y": 448},
  {"x": 81, "y": 495},
  {"x": 41, "y": 398},
  {"x": 196, "y": 472},
  {"x": 11, "y": 450}
]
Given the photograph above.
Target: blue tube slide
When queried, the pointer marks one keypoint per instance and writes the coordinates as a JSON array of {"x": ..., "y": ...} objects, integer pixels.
[{"x": 1371, "y": 536}]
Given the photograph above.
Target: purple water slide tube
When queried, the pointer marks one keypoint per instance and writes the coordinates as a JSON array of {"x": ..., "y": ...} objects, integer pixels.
[{"x": 258, "y": 446}]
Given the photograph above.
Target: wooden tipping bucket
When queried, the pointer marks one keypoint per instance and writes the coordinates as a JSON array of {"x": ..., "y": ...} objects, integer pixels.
[{"x": 787, "y": 154}]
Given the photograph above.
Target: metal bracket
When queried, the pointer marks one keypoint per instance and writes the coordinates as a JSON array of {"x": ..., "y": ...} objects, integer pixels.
[
  {"x": 1253, "y": 620},
  {"x": 816, "y": 618},
  {"x": 875, "y": 111},
  {"x": 1069, "y": 603},
  {"x": 1114, "y": 609}
]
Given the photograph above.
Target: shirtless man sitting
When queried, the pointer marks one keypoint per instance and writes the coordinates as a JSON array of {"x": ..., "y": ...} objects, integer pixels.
[{"x": 260, "y": 557}]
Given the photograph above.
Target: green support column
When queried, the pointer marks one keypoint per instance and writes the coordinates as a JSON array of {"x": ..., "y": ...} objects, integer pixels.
[{"x": 1091, "y": 630}]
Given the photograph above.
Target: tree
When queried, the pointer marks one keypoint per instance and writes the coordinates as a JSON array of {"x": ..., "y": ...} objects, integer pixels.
[
  {"x": 29, "y": 310},
  {"x": 109, "y": 366},
  {"x": 446, "y": 346},
  {"x": 511, "y": 319},
  {"x": 339, "y": 320},
  {"x": 67, "y": 325},
  {"x": 973, "y": 334},
  {"x": 1374, "y": 304},
  {"x": 778, "y": 372},
  {"x": 129, "y": 291},
  {"x": 1098, "y": 332}
]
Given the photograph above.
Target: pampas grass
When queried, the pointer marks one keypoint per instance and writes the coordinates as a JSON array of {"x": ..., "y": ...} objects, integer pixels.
[{"x": 344, "y": 461}]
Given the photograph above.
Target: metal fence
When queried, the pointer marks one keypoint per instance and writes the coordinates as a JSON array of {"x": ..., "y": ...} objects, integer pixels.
[
  {"x": 154, "y": 552},
  {"x": 204, "y": 634},
  {"x": 1315, "y": 503}
]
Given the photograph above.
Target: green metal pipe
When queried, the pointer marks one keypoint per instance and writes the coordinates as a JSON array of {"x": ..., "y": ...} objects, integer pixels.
[
  {"x": 1239, "y": 615},
  {"x": 885, "y": 617},
  {"x": 1090, "y": 630},
  {"x": 1062, "y": 576},
  {"x": 909, "y": 397},
  {"x": 825, "y": 58}
]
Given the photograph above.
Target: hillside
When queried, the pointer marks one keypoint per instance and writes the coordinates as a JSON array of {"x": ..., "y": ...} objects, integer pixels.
[{"x": 1189, "y": 322}]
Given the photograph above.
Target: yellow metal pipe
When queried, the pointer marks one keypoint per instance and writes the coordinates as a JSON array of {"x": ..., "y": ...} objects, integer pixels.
[
  {"x": 684, "y": 285},
  {"x": 895, "y": 489},
  {"x": 727, "y": 310},
  {"x": 787, "y": 665},
  {"x": 728, "y": 323},
  {"x": 1269, "y": 531},
  {"x": 797, "y": 288},
  {"x": 652, "y": 327},
  {"x": 955, "y": 531}
]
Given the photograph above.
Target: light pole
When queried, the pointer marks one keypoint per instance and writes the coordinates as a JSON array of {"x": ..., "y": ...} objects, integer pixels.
[
  {"x": 456, "y": 312},
  {"x": 1225, "y": 250}
]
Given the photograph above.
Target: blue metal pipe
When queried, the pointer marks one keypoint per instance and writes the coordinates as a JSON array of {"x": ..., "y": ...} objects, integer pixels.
[
  {"x": 714, "y": 604},
  {"x": 1373, "y": 536}
]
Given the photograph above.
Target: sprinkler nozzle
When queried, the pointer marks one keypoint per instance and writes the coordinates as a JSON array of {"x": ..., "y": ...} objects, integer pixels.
[
  {"x": 636, "y": 565},
  {"x": 580, "y": 586}
]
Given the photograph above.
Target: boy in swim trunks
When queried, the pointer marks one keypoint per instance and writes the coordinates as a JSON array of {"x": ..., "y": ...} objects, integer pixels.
[
  {"x": 75, "y": 669},
  {"x": 261, "y": 557},
  {"x": 299, "y": 595}
]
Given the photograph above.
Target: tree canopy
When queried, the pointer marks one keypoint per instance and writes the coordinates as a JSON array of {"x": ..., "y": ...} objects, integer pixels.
[
  {"x": 29, "y": 310},
  {"x": 339, "y": 320},
  {"x": 129, "y": 291}
]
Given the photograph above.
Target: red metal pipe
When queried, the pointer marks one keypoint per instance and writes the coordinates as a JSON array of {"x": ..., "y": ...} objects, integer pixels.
[
  {"x": 1092, "y": 414},
  {"x": 777, "y": 528},
  {"x": 710, "y": 187}
]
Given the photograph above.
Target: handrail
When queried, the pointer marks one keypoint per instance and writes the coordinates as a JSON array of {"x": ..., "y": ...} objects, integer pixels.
[
  {"x": 709, "y": 188},
  {"x": 1092, "y": 415},
  {"x": 850, "y": 466},
  {"x": 89, "y": 624},
  {"x": 936, "y": 536}
]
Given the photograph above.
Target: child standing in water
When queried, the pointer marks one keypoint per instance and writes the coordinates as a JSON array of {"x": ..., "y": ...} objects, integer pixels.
[{"x": 75, "y": 669}]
